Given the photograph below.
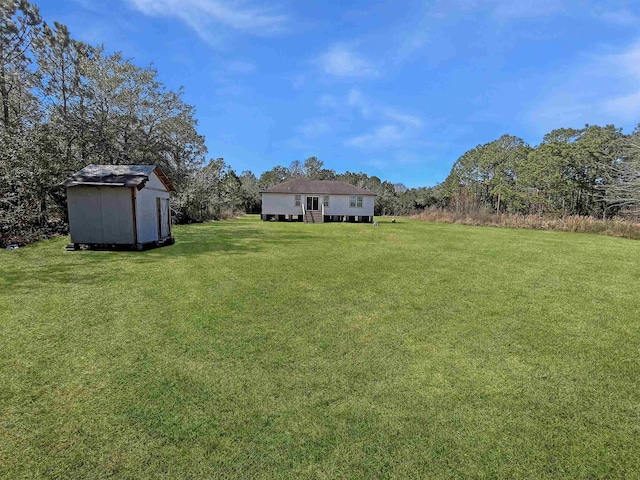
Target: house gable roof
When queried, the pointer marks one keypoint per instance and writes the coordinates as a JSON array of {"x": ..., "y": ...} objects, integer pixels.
[
  {"x": 117, "y": 176},
  {"x": 320, "y": 187}
]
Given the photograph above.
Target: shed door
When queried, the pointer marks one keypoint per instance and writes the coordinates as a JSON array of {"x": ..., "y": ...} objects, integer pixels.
[{"x": 164, "y": 218}]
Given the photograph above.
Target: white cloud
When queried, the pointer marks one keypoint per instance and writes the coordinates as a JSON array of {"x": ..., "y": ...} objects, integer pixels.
[
  {"x": 240, "y": 67},
  {"x": 356, "y": 99},
  {"x": 603, "y": 89},
  {"x": 370, "y": 109},
  {"x": 327, "y": 101},
  {"x": 409, "y": 120},
  {"x": 385, "y": 125},
  {"x": 380, "y": 137},
  {"x": 399, "y": 156},
  {"x": 298, "y": 81},
  {"x": 90, "y": 5},
  {"x": 626, "y": 106},
  {"x": 229, "y": 91},
  {"x": 628, "y": 61},
  {"x": 523, "y": 9},
  {"x": 296, "y": 143},
  {"x": 526, "y": 8},
  {"x": 411, "y": 43},
  {"x": 205, "y": 16},
  {"x": 620, "y": 17},
  {"x": 502, "y": 9},
  {"x": 315, "y": 127},
  {"x": 341, "y": 61}
]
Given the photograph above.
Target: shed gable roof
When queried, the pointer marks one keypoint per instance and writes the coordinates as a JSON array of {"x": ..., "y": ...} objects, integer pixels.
[
  {"x": 326, "y": 187},
  {"x": 117, "y": 175}
]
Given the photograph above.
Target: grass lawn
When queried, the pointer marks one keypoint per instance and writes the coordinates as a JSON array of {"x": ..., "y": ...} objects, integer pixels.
[{"x": 264, "y": 350}]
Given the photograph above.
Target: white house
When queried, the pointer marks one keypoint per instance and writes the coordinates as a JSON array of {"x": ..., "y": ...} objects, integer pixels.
[
  {"x": 118, "y": 205},
  {"x": 317, "y": 201}
]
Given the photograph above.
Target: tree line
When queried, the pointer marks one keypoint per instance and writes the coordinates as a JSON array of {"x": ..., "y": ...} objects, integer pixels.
[
  {"x": 66, "y": 104},
  {"x": 593, "y": 171}
]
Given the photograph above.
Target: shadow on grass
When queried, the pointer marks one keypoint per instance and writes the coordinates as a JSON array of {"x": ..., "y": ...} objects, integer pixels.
[
  {"x": 94, "y": 267},
  {"x": 31, "y": 275},
  {"x": 231, "y": 238}
]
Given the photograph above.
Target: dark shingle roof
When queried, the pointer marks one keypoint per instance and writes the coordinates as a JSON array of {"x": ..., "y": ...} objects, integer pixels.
[
  {"x": 116, "y": 175},
  {"x": 326, "y": 187}
]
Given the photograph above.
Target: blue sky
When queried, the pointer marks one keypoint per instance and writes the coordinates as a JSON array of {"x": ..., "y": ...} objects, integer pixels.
[{"x": 394, "y": 89}]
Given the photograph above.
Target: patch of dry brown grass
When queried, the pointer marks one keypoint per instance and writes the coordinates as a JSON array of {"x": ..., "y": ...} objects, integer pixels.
[{"x": 615, "y": 227}]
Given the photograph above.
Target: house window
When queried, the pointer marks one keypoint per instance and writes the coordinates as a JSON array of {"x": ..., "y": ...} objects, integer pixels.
[
  {"x": 296, "y": 200},
  {"x": 355, "y": 201},
  {"x": 325, "y": 200}
]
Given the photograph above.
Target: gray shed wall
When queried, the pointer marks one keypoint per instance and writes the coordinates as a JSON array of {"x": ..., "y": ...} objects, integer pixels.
[
  {"x": 147, "y": 209},
  {"x": 101, "y": 215}
]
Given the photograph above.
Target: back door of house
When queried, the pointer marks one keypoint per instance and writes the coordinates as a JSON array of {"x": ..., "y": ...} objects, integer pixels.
[{"x": 312, "y": 203}]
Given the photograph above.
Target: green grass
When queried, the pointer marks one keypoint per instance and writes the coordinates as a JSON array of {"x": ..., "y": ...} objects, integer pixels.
[{"x": 264, "y": 350}]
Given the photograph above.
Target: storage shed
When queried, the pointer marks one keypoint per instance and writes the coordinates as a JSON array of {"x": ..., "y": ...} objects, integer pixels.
[{"x": 119, "y": 205}]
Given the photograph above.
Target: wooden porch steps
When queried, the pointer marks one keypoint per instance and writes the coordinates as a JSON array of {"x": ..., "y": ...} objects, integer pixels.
[{"x": 313, "y": 217}]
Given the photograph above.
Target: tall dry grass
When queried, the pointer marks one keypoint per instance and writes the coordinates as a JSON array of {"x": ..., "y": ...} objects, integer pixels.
[{"x": 616, "y": 227}]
